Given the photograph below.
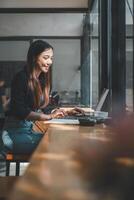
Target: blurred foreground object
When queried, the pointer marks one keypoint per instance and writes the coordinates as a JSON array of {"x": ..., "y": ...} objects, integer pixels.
[{"x": 107, "y": 167}]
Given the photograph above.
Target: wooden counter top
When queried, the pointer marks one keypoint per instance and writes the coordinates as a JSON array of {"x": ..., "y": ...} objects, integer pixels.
[{"x": 52, "y": 173}]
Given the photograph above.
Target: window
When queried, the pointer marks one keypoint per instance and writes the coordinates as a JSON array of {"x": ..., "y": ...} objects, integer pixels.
[{"x": 129, "y": 54}]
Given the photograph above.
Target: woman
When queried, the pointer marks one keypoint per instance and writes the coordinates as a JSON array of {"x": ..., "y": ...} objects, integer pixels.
[{"x": 29, "y": 99}]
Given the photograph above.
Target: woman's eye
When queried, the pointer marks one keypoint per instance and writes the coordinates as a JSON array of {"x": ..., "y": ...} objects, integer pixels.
[{"x": 46, "y": 57}]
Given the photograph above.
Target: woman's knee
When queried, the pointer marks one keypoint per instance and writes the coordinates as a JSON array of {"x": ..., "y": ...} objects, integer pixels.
[{"x": 6, "y": 139}]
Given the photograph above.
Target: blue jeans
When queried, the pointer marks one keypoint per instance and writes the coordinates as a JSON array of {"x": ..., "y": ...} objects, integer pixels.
[{"x": 18, "y": 136}]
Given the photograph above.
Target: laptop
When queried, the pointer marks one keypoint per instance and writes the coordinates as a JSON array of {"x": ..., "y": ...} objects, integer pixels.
[
  {"x": 90, "y": 118},
  {"x": 97, "y": 116}
]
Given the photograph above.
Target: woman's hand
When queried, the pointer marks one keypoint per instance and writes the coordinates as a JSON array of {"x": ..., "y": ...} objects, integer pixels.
[
  {"x": 61, "y": 112},
  {"x": 77, "y": 111},
  {"x": 57, "y": 113}
]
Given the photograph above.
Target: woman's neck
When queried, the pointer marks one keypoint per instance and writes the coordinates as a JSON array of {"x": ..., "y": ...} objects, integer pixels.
[{"x": 38, "y": 72}]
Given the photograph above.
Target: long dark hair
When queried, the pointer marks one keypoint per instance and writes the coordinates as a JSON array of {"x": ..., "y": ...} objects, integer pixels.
[{"x": 35, "y": 49}]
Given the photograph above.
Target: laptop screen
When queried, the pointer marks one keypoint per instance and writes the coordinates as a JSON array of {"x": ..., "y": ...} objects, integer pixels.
[{"x": 102, "y": 100}]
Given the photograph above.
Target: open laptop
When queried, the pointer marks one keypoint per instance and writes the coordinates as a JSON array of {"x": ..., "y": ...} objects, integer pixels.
[
  {"x": 98, "y": 109},
  {"x": 98, "y": 116},
  {"x": 90, "y": 118}
]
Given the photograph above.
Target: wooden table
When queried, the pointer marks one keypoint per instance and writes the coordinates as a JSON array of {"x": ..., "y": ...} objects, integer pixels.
[{"x": 52, "y": 173}]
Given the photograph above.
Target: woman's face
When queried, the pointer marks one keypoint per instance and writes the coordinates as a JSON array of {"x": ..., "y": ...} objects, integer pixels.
[{"x": 44, "y": 61}]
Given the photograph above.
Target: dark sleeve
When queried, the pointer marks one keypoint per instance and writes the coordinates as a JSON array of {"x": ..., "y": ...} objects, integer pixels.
[
  {"x": 19, "y": 105},
  {"x": 2, "y": 91}
]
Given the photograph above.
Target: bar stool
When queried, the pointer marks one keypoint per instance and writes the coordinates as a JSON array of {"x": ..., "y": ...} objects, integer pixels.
[{"x": 15, "y": 158}]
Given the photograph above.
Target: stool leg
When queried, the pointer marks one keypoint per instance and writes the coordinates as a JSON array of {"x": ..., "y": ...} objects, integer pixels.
[
  {"x": 17, "y": 168},
  {"x": 7, "y": 168}
]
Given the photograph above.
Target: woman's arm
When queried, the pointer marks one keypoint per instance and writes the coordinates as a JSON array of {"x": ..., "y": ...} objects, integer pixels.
[
  {"x": 43, "y": 117},
  {"x": 38, "y": 116},
  {"x": 19, "y": 101},
  {"x": 5, "y": 102}
]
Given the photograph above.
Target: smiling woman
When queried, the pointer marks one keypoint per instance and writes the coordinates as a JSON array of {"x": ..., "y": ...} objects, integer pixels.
[{"x": 29, "y": 101}]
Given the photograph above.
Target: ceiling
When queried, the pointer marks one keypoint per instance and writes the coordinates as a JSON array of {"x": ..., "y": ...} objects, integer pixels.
[{"x": 43, "y": 4}]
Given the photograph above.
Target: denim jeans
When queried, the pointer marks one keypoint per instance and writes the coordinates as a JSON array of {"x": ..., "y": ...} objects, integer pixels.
[{"x": 18, "y": 136}]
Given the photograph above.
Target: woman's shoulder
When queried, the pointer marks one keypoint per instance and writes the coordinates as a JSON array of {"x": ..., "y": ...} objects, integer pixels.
[
  {"x": 21, "y": 76},
  {"x": 20, "y": 79}
]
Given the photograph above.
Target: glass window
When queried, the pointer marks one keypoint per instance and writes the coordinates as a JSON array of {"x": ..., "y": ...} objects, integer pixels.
[
  {"x": 94, "y": 53},
  {"x": 129, "y": 54}
]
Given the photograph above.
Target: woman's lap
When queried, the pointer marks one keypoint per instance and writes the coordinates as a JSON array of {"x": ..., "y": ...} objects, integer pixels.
[
  {"x": 25, "y": 142},
  {"x": 19, "y": 136}
]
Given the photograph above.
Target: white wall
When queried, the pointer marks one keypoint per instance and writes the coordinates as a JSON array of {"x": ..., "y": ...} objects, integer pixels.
[
  {"x": 43, "y": 3},
  {"x": 41, "y": 24}
]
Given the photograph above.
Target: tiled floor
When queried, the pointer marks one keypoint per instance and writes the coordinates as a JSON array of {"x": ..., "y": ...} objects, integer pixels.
[{"x": 23, "y": 167}]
